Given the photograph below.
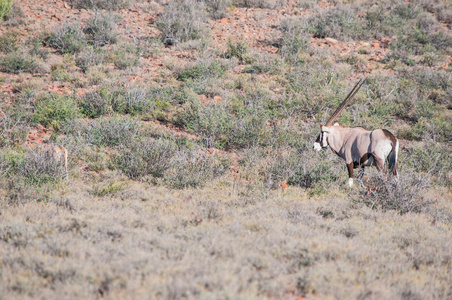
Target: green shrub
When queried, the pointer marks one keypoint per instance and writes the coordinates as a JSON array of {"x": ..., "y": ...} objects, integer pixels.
[
  {"x": 218, "y": 9},
  {"x": 9, "y": 41},
  {"x": 52, "y": 109},
  {"x": 120, "y": 98},
  {"x": 95, "y": 104},
  {"x": 402, "y": 193},
  {"x": 126, "y": 56},
  {"x": 61, "y": 73},
  {"x": 90, "y": 57},
  {"x": 340, "y": 22},
  {"x": 294, "y": 40},
  {"x": 239, "y": 50},
  {"x": 317, "y": 172},
  {"x": 69, "y": 38},
  {"x": 271, "y": 4},
  {"x": 133, "y": 100},
  {"x": 274, "y": 166},
  {"x": 263, "y": 63},
  {"x": 146, "y": 157},
  {"x": 5, "y": 8},
  {"x": 16, "y": 17},
  {"x": 201, "y": 71},
  {"x": 10, "y": 162},
  {"x": 192, "y": 168},
  {"x": 39, "y": 167},
  {"x": 17, "y": 62},
  {"x": 14, "y": 128},
  {"x": 101, "y": 4},
  {"x": 101, "y": 30},
  {"x": 36, "y": 166},
  {"x": 183, "y": 20},
  {"x": 102, "y": 190},
  {"x": 434, "y": 159},
  {"x": 112, "y": 131}
]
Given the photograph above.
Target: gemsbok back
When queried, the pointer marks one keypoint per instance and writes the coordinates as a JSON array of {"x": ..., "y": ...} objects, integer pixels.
[{"x": 359, "y": 147}]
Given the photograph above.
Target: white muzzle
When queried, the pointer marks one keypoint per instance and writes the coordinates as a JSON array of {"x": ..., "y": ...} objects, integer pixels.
[{"x": 317, "y": 146}]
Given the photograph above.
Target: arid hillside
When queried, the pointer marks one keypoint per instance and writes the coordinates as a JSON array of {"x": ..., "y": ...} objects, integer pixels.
[{"x": 190, "y": 172}]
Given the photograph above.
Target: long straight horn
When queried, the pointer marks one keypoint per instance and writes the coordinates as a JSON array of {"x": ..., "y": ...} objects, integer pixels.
[{"x": 347, "y": 99}]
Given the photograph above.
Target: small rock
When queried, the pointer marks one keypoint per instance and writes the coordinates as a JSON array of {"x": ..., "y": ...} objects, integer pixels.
[
  {"x": 217, "y": 98},
  {"x": 202, "y": 97},
  {"x": 224, "y": 20},
  {"x": 376, "y": 45}
]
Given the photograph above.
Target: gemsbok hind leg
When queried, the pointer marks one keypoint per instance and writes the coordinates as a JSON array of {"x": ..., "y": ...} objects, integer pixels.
[{"x": 379, "y": 163}]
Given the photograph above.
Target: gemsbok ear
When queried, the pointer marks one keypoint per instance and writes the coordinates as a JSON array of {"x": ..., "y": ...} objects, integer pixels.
[{"x": 336, "y": 124}]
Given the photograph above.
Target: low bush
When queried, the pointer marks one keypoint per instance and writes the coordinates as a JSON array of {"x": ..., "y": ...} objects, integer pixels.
[
  {"x": 13, "y": 129},
  {"x": 192, "y": 168},
  {"x": 15, "y": 17},
  {"x": 294, "y": 41},
  {"x": 101, "y": 30},
  {"x": 429, "y": 158},
  {"x": 68, "y": 38},
  {"x": 318, "y": 173},
  {"x": 133, "y": 100},
  {"x": 274, "y": 166},
  {"x": 126, "y": 56},
  {"x": 403, "y": 193},
  {"x": 53, "y": 109},
  {"x": 145, "y": 157},
  {"x": 39, "y": 166},
  {"x": 239, "y": 50},
  {"x": 96, "y": 104},
  {"x": 5, "y": 8},
  {"x": 90, "y": 57},
  {"x": 183, "y": 20},
  {"x": 120, "y": 98},
  {"x": 218, "y": 9},
  {"x": 72, "y": 38},
  {"x": 17, "y": 62},
  {"x": 271, "y": 4},
  {"x": 340, "y": 22},
  {"x": 263, "y": 63},
  {"x": 101, "y": 4},
  {"x": 202, "y": 70},
  {"x": 35, "y": 166},
  {"x": 112, "y": 131},
  {"x": 9, "y": 41}
]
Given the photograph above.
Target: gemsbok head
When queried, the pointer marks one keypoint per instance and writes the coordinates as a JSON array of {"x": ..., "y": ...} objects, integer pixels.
[{"x": 357, "y": 146}]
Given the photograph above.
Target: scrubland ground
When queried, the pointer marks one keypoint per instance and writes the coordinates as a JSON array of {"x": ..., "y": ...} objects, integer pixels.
[{"x": 189, "y": 126}]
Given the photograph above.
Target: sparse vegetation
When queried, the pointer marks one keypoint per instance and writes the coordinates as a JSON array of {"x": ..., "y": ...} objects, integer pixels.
[
  {"x": 101, "y": 4},
  {"x": 191, "y": 169},
  {"x": 69, "y": 38},
  {"x": 183, "y": 20},
  {"x": 18, "y": 61}
]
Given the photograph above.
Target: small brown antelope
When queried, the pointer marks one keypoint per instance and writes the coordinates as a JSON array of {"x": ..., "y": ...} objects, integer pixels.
[{"x": 359, "y": 147}]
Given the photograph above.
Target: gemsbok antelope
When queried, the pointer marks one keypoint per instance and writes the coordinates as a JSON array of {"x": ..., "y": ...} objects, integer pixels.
[{"x": 359, "y": 147}]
